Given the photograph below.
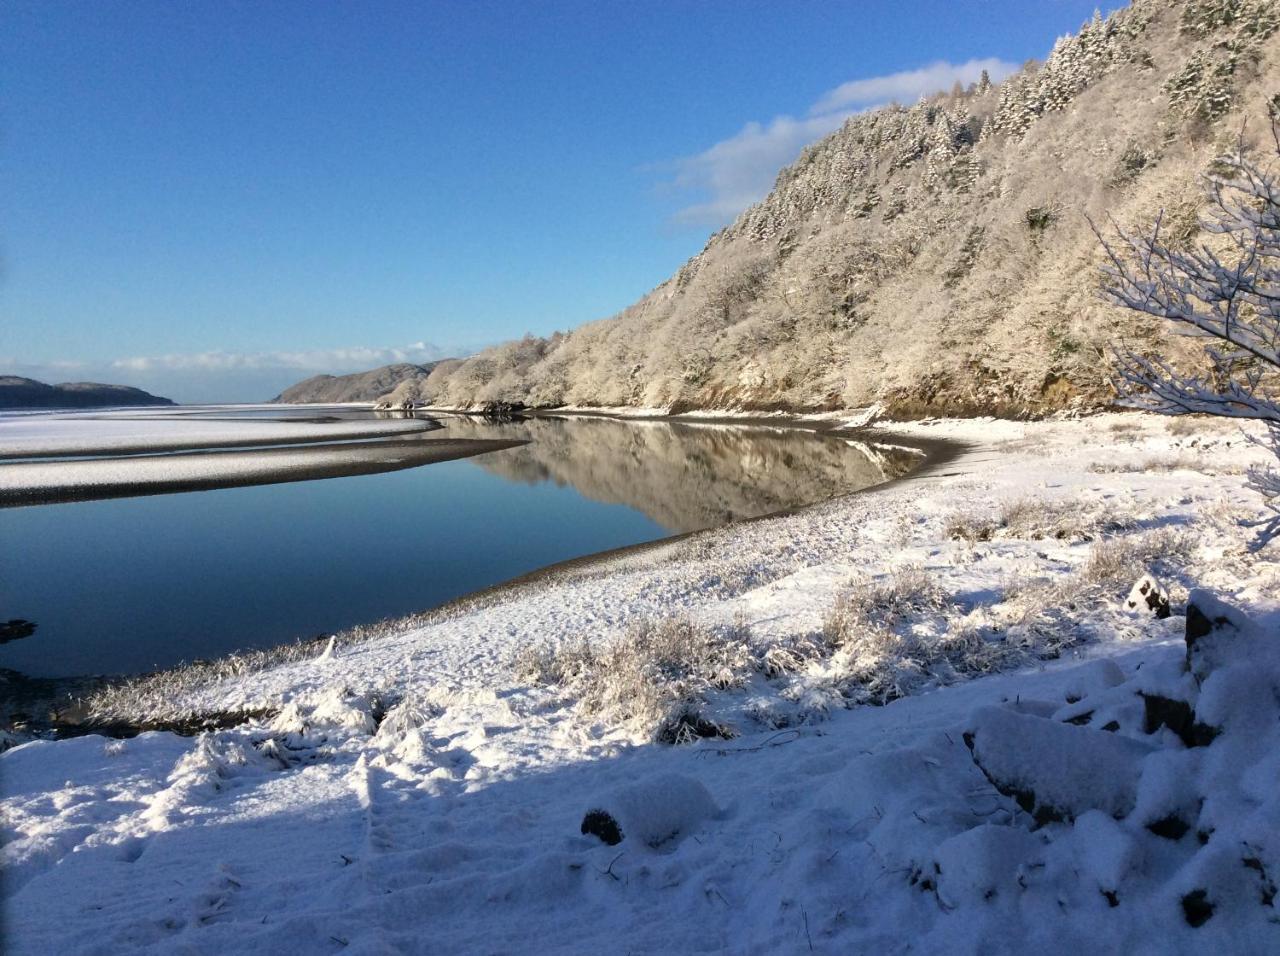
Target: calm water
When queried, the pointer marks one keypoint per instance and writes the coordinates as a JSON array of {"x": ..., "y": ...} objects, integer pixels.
[{"x": 134, "y": 584}]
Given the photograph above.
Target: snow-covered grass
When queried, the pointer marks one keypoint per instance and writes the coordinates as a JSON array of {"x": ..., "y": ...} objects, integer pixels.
[
  {"x": 1045, "y": 771},
  {"x": 652, "y": 679},
  {"x": 1033, "y": 519}
]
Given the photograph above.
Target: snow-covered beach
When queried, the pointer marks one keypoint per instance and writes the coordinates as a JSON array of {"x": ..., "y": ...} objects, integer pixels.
[{"x": 425, "y": 790}]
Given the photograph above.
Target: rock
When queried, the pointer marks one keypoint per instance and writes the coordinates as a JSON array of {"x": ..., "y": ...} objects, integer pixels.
[
  {"x": 655, "y": 813},
  {"x": 1147, "y": 595},
  {"x": 984, "y": 863},
  {"x": 1178, "y": 716},
  {"x": 1216, "y": 634},
  {"x": 1055, "y": 771},
  {"x": 9, "y": 740},
  {"x": 599, "y": 823},
  {"x": 15, "y": 629},
  {"x": 502, "y": 411},
  {"x": 1197, "y": 908}
]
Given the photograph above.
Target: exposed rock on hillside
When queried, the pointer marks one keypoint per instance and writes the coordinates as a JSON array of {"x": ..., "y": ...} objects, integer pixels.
[
  {"x": 937, "y": 257},
  {"x": 358, "y": 387},
  {"x": 19, "y": 392}
]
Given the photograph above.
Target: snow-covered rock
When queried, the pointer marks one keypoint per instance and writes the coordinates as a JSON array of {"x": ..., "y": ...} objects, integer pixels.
[
  {"x": 1056, "y": 770},
  {"x": 656, "y": 813},
  {"x": 1148, "y": 596}
]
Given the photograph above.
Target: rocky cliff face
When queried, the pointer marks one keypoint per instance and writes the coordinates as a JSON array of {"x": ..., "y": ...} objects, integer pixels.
[
  {"x": 18, "y": 392},
  {"x": 358, "y": 387},
  {"x": 938, "y": 257}
]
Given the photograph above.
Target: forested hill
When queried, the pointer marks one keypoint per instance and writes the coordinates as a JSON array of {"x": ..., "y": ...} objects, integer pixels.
[
  {"x": 937, "y": 257},
  {"x": 357, "y": 387}
]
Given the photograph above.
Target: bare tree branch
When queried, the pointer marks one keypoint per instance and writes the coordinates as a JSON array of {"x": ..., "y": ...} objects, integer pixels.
[{"x": 1235, "y": 301}]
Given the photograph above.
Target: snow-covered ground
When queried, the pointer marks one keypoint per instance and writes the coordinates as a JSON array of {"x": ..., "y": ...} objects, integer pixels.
[{"x": 425, "y": 790}]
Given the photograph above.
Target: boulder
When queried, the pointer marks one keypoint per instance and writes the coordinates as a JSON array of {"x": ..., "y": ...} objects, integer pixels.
[
  {"x": 657, "y": 813},
  {"x": 1055, "y": 771},
  {"x": 1147, "y": 596},
  {"x": 1216, "y": 634},
  {"x": 502, "y": 411},
  {"x": 984, "y": 863}
]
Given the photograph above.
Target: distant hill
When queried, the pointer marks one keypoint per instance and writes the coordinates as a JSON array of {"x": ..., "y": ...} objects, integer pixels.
[
  {"x": 357, "y": 387},
  {"x": 936, "y": 257},
  {"x": 19, "y": 392}
]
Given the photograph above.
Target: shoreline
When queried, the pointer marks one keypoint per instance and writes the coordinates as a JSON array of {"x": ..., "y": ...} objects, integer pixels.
[{"x": 935, "y": 452}]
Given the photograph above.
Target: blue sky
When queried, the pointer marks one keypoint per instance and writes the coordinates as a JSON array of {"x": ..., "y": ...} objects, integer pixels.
[{"x": 215, "y": 199}]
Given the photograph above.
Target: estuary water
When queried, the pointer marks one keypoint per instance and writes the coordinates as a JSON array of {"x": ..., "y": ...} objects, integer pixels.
[{"x": 133, "y": 584}]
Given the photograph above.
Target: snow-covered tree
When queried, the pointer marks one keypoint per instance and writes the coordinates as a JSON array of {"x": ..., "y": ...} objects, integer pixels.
[{"x": 1228, "y": 292}]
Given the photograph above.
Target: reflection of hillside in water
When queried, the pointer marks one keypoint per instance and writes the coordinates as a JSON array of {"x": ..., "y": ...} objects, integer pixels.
[{"x": 684, "y": 476}]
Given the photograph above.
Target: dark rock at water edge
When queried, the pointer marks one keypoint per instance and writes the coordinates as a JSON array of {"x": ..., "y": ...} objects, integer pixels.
[
  {"x": 15, "y": 629},
  {"x": 503, "y": 411}
]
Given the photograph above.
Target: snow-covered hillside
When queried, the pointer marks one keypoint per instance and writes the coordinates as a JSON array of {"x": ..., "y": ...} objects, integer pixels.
[
  {"x": 1050, "y": 768},
  {"x": 937, "y": 256}
]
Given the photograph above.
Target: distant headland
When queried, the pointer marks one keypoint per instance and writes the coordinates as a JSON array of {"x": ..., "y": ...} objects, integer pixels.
[{"x": 19, "y": 392}]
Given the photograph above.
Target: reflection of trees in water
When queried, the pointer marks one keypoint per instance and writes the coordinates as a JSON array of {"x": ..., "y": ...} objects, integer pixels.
[{"x": 685, "y": 477}]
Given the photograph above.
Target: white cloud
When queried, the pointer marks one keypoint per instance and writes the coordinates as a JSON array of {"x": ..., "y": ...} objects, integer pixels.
[
  {"x": 908, "y": 86},
  {"x": 335, "y": 361},
  {"x": 738, "y": 171}
]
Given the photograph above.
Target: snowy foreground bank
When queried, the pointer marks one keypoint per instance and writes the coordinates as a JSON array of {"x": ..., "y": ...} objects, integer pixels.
[{"x": 1052, "y": 770}]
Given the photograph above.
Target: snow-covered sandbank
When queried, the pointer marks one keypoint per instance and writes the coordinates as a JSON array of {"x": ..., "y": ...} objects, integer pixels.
[
  {"x": 414, "y": 793},
  {"x": 46, "y": 459},
  {"x": 40, "y": 482},
  {"x": 32, "y": 436}
]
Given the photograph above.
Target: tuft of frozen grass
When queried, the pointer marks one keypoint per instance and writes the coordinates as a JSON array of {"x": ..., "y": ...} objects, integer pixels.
[
  {"x": 1155, "y": 464},
  {"x": 1125, "y": 429},
  {"x": 1051, "y": 615},
  {"x": 652, "y": 679},
  {"x": 1066, "y": 520},
  {"x": 1118, "y": 562},
  {"x": 893, "y": 636},
  {"x": 880, "y": 605},
  {"x": 1184, "y": 425},
  {"x": 1035, "y": 519}
]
